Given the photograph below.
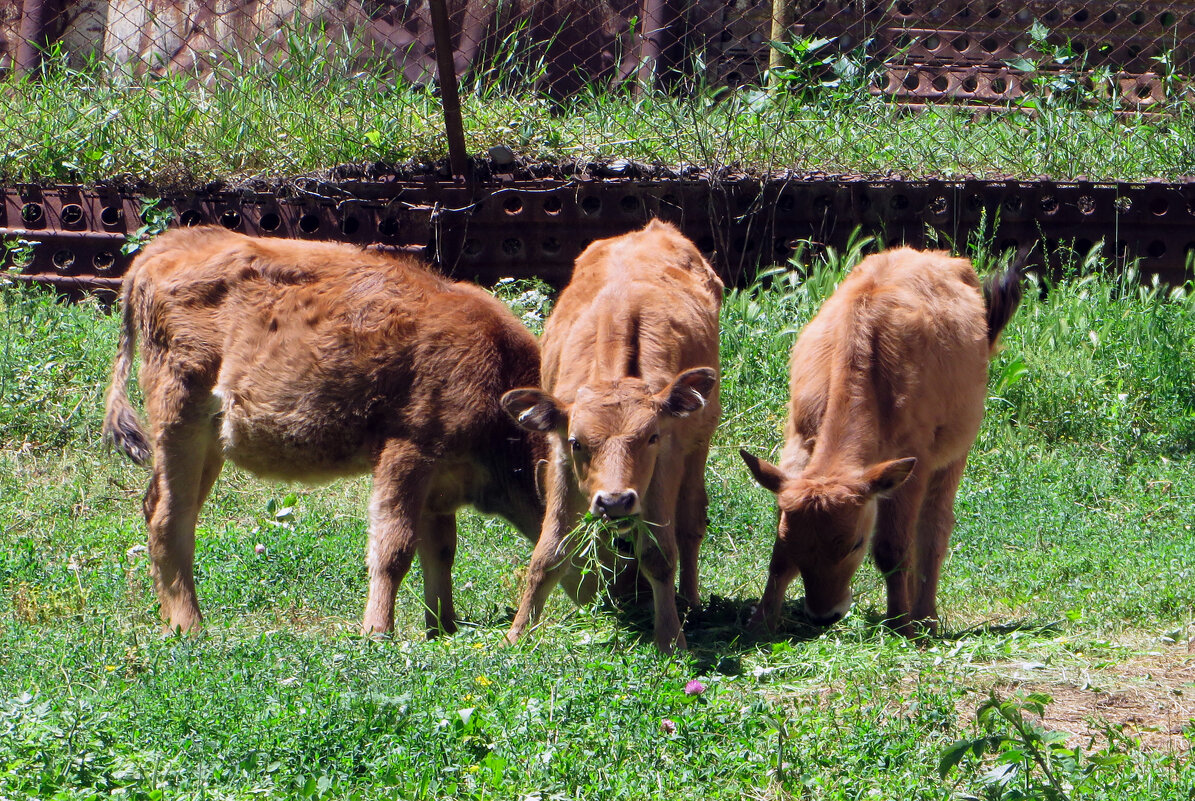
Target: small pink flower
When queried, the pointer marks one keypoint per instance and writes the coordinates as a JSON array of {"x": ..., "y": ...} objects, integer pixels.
[
  {"x": 694, "y": 687},
  {"x": 259, "y": 549},
  {"x": 667, "y": 726}
]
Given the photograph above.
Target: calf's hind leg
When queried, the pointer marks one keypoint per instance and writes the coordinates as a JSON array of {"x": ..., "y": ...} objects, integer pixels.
[
  {"x": 437, "y": 551},
  {"x": 187, "y": 461},
  {"x": 401, "y": 477}
]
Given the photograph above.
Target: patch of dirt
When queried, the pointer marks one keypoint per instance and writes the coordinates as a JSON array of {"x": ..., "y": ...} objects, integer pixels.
[{"x": 1149, "y": 698}]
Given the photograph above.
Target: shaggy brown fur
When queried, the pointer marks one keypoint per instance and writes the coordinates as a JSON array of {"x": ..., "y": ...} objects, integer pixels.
[
  {"x": 886, "y": 396},
  {"x": 630, "y": 360},
  {"x": 306, "y": 361}
]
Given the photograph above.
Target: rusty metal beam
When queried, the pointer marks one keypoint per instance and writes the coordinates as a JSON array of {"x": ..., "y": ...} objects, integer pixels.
[
  {"x": 84, "y": 282},
  {"x": 518, "y": 225}
]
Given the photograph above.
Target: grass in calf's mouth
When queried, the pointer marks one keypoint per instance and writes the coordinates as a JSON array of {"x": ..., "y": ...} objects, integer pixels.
[{"x": 595, "y": 534}]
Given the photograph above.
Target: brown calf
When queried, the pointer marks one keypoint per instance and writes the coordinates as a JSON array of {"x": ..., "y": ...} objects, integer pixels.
[
  {"x": 630, "y": 357},
  {"x": 886, "y": 395},
  {"x": 306, "y": 361}
]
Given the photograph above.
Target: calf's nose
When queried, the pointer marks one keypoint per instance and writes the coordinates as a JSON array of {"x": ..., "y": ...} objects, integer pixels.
[
  {"x": 825, "y": 620},
  {"x": 615, "y": 504}
]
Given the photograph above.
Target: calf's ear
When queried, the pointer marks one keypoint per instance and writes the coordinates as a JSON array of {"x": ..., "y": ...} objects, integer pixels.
[
  {"x": 534, "y": 410},
  {"x": 885, "y": 477},
  {"x": 767, "y": 474},
  {"x": 689, "y": 391}
]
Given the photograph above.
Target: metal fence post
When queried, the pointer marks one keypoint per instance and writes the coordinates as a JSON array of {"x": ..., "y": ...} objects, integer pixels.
[{"x": 453, "y": 125}]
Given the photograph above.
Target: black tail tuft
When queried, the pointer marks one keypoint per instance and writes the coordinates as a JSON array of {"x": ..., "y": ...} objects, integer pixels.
[
  {"x": 125, "y": 433},
  {"x": 1001, "y": 296}
]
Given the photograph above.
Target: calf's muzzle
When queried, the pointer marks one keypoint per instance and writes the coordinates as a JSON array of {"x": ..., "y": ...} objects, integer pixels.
[{"x": 613, "y": 505}]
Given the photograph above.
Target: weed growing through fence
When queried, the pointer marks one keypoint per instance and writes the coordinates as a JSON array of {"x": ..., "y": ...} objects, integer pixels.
[{"x": 154, "y": 220}]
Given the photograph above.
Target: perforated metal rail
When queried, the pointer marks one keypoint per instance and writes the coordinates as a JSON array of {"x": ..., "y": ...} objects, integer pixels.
[{"x": 521, "y": 225}]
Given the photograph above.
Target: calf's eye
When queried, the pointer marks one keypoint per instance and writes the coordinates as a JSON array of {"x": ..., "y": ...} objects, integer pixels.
[
  {"x": 653, "y": 439},
  {"x": 574, "y": 444}
]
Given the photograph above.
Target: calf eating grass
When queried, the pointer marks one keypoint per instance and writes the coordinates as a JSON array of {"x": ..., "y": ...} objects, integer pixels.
[
  {"x": 629, "y": 401},
  {"x": 307, "y": 361},
  {"x": 887, "y": 390}
]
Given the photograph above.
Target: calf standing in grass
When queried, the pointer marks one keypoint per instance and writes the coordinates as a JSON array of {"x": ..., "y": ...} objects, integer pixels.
[
  {"x": 629, "y": 401},
  {"x": 306, "y": 361},
  {"x": 887, "y": 390}
]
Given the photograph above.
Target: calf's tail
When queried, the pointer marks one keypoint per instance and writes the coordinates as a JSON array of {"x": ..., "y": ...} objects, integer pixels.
[
  {"x": 1001, "y": 296},
  {"x": 121, "y": 426}
]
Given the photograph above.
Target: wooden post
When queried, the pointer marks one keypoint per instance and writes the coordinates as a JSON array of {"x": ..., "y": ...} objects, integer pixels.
[
  {"x": 32, "y": 35},
  {"x": 781, "y": 21},
  {"x": 650, "y": 42},
  {"x": 454, "y": 127}
]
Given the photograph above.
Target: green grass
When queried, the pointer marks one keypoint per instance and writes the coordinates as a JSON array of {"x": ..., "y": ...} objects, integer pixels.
[
  {"x": 310, "y": 111},
  {"x": 1071, "y": 573}
]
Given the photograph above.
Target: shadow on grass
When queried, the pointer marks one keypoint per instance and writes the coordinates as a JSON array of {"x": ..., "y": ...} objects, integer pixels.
[
  {"x": 992, "y": 628},
  {"x": 717, "y": 632},
  {"x": 718, "y": 635}
]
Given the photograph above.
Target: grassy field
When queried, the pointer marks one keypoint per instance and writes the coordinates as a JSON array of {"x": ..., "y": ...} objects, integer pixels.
[
  {"x": 310, "y": 112},
  {"x": 1064, "y": 669}
]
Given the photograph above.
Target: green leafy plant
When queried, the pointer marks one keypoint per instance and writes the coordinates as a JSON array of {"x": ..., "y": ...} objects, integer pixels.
[
  {"x": 817, "y": 71},
  {"x": 155, "y": 219},
  {"x": 529, "y": 298},
  {"x": 1021, "y": 759},
  {"x": 17, "y": 252}
]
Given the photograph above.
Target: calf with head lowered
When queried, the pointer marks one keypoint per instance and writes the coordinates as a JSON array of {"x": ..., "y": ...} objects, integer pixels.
[
  {"x": 887, "y": 390},
  {"x": 306, "y": 361},
  {"x": 629, "y": 403}
]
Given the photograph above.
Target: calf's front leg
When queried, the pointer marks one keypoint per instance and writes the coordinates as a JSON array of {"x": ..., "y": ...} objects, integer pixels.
[
  {"x": 549, "y": 562},
  {"x": 892, "y": 548},
  {"x": 781, "y": 572},
  {"x": 933, "y": 536}
]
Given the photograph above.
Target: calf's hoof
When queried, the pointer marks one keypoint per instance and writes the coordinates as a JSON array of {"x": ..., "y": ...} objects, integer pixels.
[
  {"x": 760, "y": 620},
  {"x": 191, "y": 629},
  {"x": 670, "y": 645}
]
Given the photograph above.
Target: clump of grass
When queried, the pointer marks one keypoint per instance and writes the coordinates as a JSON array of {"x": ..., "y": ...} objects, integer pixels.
[
  {"x": 54, "y": 364},
  {"x": 1107, "y": 359}
]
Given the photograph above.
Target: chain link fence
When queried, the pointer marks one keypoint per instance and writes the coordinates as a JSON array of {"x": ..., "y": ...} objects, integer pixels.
[
  {"x": 963, "y": 49},
  {"x": 326, "y": 118},
  {"x": 974, "y": 50},
  {"x": 115, "y": 89}
]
